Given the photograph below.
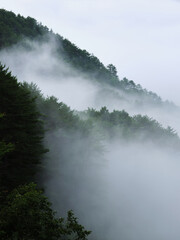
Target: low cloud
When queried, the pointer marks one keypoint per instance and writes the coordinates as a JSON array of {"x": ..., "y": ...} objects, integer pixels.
[{"x": 131, "y": 189}]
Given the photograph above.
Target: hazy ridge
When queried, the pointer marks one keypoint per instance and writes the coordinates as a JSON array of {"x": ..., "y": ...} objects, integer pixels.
[{"x": 113, "y": 146}]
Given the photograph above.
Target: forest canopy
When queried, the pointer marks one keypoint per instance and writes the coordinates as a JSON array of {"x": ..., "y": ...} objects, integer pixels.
[{"x": 50, "y": 152}]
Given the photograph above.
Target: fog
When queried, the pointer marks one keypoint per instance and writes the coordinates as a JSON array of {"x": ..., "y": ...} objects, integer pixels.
[
  {"x": 41, "y": 65},
  {"x": 146, "y": 199},
  {"x": 132, "y": 192},
  {"x": 140, "y": 37},
  {"x": 120, "y": 189}
]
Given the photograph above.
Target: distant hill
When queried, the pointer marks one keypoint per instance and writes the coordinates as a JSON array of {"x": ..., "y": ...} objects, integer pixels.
[
  {"x": 14, "y": 28},
  {"x": 99, "y": 161}
]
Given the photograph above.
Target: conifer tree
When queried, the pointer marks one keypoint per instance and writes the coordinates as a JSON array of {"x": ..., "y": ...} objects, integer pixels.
[{"x": 20, "y": 127}]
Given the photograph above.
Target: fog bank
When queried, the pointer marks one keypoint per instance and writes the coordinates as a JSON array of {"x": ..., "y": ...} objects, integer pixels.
[{"x": 128, "y": 190}]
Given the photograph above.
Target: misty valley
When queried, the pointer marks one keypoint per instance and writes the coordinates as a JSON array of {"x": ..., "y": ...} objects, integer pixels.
[{"x": 83, "y": 154}]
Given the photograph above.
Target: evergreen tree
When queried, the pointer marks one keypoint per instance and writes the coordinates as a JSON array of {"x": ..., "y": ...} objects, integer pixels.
[{"x": 21, "y": 129}]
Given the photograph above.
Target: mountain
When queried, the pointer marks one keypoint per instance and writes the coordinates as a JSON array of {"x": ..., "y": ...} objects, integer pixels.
[
  {"x": 106, "y": 161},
  {"x": 16, "y": 28},
  {"x": 58, "y": 60}
]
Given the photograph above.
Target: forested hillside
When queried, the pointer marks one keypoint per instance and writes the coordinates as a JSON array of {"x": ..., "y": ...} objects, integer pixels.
[
  {"x": 24, "y": 112},
  {"x": 14, "y": 29},
  {"x": 76, "y": 159},
  {"x": 25, "y": 213}
]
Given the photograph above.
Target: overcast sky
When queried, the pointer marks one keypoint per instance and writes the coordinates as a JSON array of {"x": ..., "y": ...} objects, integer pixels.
[{"x": 140, "y": 37}]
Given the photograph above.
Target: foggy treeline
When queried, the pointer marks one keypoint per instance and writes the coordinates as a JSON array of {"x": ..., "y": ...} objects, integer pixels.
[{"x": 104, "y": 147}]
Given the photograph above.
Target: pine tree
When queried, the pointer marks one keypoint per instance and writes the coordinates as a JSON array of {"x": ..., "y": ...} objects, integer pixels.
[{"x": 21, "y": 128}]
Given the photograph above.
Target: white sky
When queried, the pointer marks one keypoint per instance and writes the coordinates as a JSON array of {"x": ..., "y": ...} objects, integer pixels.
[{"x": 140, "y": 37}]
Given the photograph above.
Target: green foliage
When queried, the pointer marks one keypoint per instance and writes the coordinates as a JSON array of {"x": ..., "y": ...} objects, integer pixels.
[
  {"x": 55, "y": 114},
  {"x": 101, "y": 124},
  {"x": 74, "y": 229},
  {"x": 5, "y": 148},
  {"x": 62, "y": 116},
  {"x": 27, "y": 215},
  {"x": 15, "y": 28},
  {"x": 21, "y": 133},
  {"x": 69, "y": 138},
  {"x": 112, "y": 69},
  {"x": 1, "y": 115},
  {"x": 118, "y": 124},
  {"x": 87, "y": 63}
]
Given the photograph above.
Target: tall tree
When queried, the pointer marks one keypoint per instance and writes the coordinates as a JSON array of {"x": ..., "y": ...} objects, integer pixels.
[
  {"x": 27, "y": 214},
  {"x": 20, "y": 127}
]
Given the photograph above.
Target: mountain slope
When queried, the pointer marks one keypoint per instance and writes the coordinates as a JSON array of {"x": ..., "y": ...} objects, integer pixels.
[
  {"x": 15, "y": 28},
  {"x": 118, "y": 171},
  {"x": 67, "y": 68}
]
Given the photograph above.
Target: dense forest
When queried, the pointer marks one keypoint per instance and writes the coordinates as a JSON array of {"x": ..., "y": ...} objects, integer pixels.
[
  {"x": 15, "y": 29},
  {"x": 25, "y": 212},
  {"x": 42, "y": 140}
]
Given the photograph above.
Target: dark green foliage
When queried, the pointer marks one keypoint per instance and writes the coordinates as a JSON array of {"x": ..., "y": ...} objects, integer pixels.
[
  {"x": 74, "y": 229},
  {"x": 27, "y": 215},
  {"x": 58, "y": 114},
  {"x": 20, "y": 130},
  {"x": 87, "y": 63},
  {"x": 55, "y": 114},
  {"x": 118, "y": 124},
  {"x": 112, "y": 69},
  {"x": 15, "y": 28},
  {"x": 67, "y": 136},
  {"x": 5, "y": 147},
  {"x": 73, "y": 141}
]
